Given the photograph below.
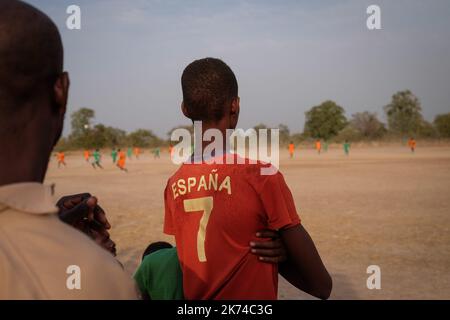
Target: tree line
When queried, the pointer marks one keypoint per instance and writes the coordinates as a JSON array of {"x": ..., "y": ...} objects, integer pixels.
[
  {"x": 85, "y": 135},
  {"x": 326, "y": 121}
]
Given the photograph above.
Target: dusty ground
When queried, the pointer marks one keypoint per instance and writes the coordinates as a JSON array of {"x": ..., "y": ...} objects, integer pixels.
[{"x": 379, "y": 206}]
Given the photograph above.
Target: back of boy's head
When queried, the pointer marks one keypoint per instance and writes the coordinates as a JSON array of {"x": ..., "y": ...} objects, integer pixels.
[
  {"x": 209, "y": 86},
  {"x": 156, "y": 246}
]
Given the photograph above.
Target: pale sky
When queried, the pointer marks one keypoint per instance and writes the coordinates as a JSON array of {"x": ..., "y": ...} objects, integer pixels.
[{"x": 126, "y": 61}]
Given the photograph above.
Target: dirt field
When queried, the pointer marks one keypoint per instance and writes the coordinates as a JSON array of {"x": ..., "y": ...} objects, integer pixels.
[{"x": 379, "y": 206}]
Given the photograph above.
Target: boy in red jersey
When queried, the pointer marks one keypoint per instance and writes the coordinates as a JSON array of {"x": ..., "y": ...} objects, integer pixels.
[{"x": 215, "y": 210}]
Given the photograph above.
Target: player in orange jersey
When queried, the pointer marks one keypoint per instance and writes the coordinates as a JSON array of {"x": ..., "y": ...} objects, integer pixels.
[
  {"x": 121, "y": 161},
  {"x": 137, "y": 152},
  {"x": 60, "y": 156},
  {"x": 86, "y": 155},
  {"x": 412, "y": 144},
  {"x": 318, "y": 146},
  {"x": 291, "y": 149},
  {"x": 215, "y": 210},
  {"x": 171, "y": 151}
]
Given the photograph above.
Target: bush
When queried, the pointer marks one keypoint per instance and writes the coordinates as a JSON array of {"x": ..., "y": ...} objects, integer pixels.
[
  {"x": 442, "y": 125},
  {"x": 426, "y": 130},
  {"x": 349, "y": 133},
  {"x": 368, "y": 125}
]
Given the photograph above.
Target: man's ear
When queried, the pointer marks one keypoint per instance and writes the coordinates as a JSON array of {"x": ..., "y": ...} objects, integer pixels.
[
  {"x": 61, "y": 92},
  {"x": 60, "y": 96},
  {"x": 184, "y": 110},
  {"x": 235, "y": 107}
]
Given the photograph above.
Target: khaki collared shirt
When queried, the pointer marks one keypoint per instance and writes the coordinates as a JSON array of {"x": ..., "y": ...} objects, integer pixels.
[{"x": 43, "y": 258}]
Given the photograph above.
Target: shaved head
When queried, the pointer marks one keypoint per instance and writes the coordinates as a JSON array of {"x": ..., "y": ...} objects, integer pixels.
[
  {"x": 33, "y": 91},
  {"x": 31, "y": 57}
]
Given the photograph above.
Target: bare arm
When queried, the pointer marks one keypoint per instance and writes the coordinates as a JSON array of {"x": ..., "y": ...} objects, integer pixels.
[{"x": 304, "y": 268}]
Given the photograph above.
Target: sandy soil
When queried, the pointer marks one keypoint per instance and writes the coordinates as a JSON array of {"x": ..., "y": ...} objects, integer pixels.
[{"x": 379, "y": 206}]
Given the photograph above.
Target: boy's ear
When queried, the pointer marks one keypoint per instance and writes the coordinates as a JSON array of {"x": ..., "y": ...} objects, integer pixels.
[
  {"x": 184, "y": 110},
  {"x": 235, "y": 107}
]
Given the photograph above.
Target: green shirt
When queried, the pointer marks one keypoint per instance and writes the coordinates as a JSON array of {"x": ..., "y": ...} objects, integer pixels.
[
  {"x": 346, "y": 147},
  {"x": 160, "y": 276},
  {"x": 97, "y": 156}
]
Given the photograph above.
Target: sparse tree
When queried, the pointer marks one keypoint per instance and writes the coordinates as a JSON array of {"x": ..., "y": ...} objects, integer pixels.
[
  {"x": 143, "y": 138},
  {"x": 81, "y": 121},
  {"x": 404, "y": 113},
  {"x": 82, "y": 131},
  {"x": 298, "y": 138},
  {"x": 368, "y": 125},
  {"x": 442, "y": 125},
  {"x": 115, "y": 137},
  {"x": 325, "y": 120},
  {"x": 426, "y": 130},
  {"x": 101, "y": 137},
  {"x": 349, "y": 133},
  {"x": 285, "y": 134}
]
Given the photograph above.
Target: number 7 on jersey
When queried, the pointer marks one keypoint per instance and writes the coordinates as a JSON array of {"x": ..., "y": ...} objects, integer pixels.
[{"x": 200, "y": 204}]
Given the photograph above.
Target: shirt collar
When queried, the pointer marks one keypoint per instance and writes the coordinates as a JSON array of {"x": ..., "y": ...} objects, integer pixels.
[
  {"x": 196, "y": 159},
  {"x": 29, "y": 197}
]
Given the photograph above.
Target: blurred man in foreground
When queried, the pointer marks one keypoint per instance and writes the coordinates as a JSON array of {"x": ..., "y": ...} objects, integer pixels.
[{"x": 36, "y": 248}]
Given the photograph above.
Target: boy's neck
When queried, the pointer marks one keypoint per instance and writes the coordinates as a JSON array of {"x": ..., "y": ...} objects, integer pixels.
[{"x": 221, "y": 125}]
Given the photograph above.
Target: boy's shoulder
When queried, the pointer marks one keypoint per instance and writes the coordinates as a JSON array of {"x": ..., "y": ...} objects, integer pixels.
[{"x": 158, "y": 263}]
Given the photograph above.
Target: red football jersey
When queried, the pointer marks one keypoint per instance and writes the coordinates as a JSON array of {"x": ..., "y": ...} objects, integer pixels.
[{"x": 214, "y": 212}]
